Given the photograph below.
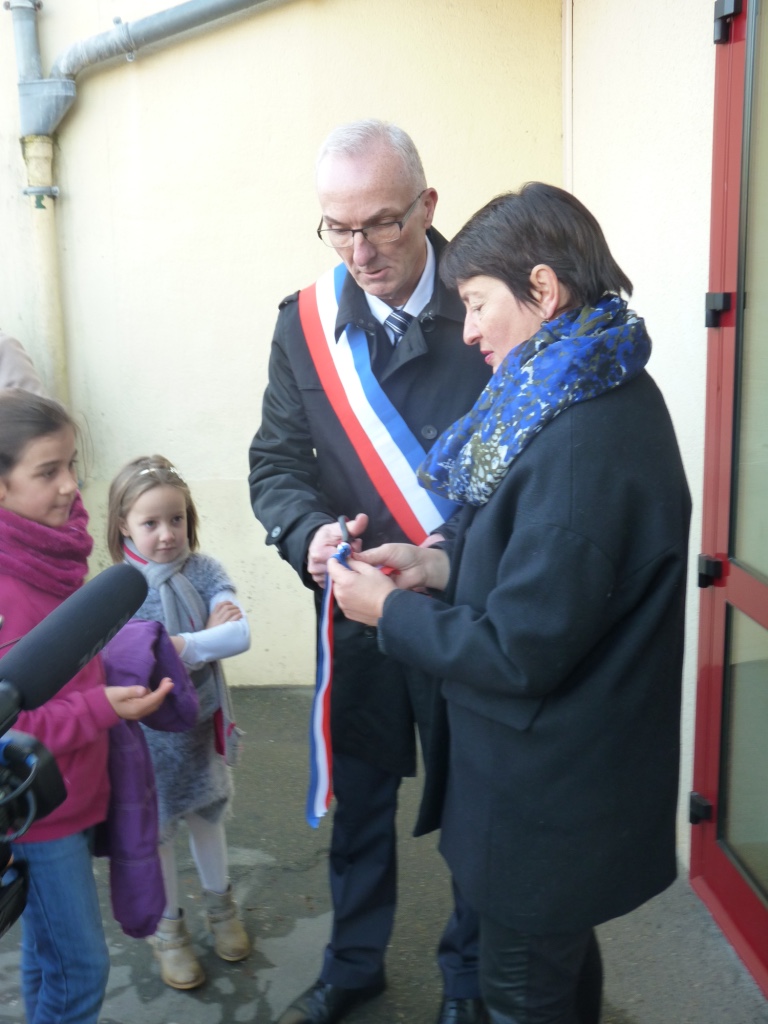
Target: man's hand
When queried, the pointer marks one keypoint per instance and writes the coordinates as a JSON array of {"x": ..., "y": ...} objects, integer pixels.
[
  {"x": 134, "y": 702},
  {"x": 417, "y": 567},
  {"x": 325, "y": 542},
  {"x": 360, "y": 590}
]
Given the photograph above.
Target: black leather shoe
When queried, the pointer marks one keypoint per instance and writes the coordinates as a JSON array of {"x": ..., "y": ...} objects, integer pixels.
[
  {"x": 463, "y": 1011},
  {"x": 324, "y": 1003}
]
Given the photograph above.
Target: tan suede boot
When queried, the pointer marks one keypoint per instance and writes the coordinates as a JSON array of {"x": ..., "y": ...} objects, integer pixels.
[
  {"x": 179, "y": 967},
  {"x": 229, "y": 939}
]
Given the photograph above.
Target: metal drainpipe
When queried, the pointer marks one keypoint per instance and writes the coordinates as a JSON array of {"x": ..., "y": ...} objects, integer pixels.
[
  {"x": 126, "y": 39},
  {"x": 50, "y": 351},
  {"x": 37, "y": 149},
  {"x": 43, "y": 103}
]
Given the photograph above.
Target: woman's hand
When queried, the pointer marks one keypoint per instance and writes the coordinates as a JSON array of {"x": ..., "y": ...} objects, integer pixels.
[
  {"x": 135, "y": 702},
  {"x": 224, "y": 611},
  {"x": 359, "y": 589},
  {"x": 415, "y": 568}
]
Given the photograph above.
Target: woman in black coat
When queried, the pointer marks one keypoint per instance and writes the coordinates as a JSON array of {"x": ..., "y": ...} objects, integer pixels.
[{"x": 555, "y": 616}]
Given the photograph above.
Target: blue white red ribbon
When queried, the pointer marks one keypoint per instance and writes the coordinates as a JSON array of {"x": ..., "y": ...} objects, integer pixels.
[{"x": 320, "y": 792}]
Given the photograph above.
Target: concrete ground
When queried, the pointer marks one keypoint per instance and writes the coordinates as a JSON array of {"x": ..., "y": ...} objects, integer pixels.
[{"x": 666, "y": 963}]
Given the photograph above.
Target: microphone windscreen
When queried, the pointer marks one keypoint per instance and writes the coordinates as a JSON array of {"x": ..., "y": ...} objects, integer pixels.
[{"x": 47, "y": 657}]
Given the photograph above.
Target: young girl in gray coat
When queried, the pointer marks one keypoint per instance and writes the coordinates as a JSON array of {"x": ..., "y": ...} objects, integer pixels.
[{"x": 152, "y": 525}]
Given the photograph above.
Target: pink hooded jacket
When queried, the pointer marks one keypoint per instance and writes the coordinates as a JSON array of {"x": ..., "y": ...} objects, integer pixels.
[{"x": 73, "y": 725}]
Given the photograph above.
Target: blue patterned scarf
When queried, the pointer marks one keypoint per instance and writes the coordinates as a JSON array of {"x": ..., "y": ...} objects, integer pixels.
[{"x": 580, "y": 355}]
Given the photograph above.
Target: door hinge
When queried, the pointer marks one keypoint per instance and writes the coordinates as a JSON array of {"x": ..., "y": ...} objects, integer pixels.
[
  {"x": 716, "y": 303},
  {"x": 710, "y": 569},
  {"x": 724, "y": 10},
  {"x": 699, "y": 809}
]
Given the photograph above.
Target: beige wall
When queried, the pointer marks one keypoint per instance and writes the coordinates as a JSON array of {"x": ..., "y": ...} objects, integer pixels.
[
  {"x": 187, "y": 212},
  {"x": 643, "y": 88}
]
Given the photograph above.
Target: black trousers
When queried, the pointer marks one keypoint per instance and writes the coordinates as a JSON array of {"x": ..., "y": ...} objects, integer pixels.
[
  {"x": 363, "y": 877},
  {"x": 540, "y": 979}
]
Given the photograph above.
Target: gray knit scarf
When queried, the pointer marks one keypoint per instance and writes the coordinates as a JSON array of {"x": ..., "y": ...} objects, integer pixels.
[{"x": 182, "y": 610}]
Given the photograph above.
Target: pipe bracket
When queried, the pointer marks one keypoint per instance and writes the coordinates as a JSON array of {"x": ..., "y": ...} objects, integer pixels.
[{"x": 42, "y": 190}]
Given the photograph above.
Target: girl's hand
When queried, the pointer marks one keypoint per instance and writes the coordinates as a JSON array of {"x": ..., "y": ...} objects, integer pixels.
[
  {"x": 224, "y": 611},
  {"x": 134, "y": 702},
  {"x": 360, "y": 590},
  {"x": 417, "y": 567}
]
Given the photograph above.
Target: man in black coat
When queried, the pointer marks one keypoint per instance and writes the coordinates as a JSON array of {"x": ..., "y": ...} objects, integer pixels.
[{"x": 341, "y": 367}]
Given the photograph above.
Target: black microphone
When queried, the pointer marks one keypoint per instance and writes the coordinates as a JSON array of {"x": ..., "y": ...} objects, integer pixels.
[{"x": 47, "y": 657}]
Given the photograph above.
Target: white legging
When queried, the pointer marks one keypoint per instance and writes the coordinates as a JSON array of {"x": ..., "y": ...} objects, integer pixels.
[{"x": 208, "y": 844}]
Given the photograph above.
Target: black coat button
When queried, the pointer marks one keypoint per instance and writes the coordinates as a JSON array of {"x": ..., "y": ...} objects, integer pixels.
[{"x": 429, "y": 432}]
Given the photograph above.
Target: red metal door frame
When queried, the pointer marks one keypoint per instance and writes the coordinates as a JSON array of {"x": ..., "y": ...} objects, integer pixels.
[{"x": 734, "y": 904}]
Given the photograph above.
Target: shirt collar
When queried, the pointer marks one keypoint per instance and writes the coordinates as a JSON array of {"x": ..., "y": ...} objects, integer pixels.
[
  {"x": 420, "y": 295},
  {"x": 441, "y": 303}
]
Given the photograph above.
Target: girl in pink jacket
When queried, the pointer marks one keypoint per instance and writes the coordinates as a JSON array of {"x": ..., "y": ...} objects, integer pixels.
[{"x": 44, "y": 547}]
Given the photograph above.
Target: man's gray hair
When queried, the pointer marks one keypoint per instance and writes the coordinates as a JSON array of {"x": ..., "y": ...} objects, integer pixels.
[{"x": 358, "y": 137}]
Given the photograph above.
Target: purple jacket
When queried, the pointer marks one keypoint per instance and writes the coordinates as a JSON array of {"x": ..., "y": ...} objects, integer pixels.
[{"x": 141, "y": 654}]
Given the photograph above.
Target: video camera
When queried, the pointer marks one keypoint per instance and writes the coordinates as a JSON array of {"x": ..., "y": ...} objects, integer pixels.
[
  {"x": 30, "y": 674},
  {"x": 30, "y": 787}
]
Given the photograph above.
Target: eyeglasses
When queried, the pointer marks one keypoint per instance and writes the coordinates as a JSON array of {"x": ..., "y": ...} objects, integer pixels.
[{"x": 376, "y": 234}]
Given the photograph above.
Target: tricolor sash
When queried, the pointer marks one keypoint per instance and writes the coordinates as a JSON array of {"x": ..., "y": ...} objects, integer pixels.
[
  {"x": 388, "y": 450},
  {"x": 389, "y": 453}
]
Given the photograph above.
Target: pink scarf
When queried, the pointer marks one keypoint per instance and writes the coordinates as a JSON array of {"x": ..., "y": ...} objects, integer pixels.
[{"x": 51, "y": 558}]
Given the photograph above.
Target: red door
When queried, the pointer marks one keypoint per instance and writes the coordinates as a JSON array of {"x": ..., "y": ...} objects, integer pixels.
[{"x": 729, "y": 806}]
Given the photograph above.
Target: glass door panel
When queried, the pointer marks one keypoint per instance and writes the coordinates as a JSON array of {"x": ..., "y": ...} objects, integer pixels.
[
  {"x": 744, "y": 790},
  {"x": 750, "y": 512}
]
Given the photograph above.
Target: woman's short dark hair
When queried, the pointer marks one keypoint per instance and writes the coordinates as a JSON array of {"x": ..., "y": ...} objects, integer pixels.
[
  {"x": 24, "y": 417},
  {"x": 540, "y": 223}
]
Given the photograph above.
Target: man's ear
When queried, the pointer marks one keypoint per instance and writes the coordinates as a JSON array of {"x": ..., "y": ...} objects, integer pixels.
[
  {"x": 547, "y": 291},
  {"x": 430, "y": 202}
]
